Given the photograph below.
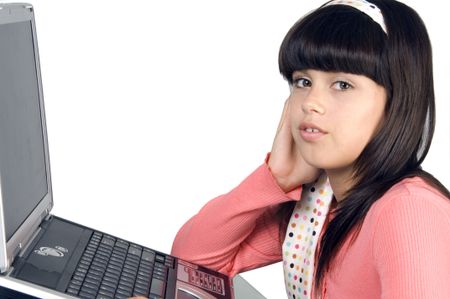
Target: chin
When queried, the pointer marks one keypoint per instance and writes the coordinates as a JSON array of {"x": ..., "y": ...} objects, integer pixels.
[{"x": 315, "y": 161}]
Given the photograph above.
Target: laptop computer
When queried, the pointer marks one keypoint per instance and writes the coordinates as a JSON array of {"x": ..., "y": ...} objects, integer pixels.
[{"x": 45, "y": 256}]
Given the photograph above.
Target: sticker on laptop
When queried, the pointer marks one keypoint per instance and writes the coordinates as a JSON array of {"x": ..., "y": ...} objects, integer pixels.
[
  {"x": 57, "y": 251},
  {"x": 201, "y": 279}
]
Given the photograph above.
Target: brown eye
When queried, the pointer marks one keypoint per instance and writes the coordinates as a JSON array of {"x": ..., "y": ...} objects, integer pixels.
[
  {"x": 342, "y": 85},
  {"x": 302, "y": 83}
]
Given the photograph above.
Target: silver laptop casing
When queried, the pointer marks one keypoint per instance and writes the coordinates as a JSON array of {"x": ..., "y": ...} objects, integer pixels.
[{"x": 9, "y": 249}]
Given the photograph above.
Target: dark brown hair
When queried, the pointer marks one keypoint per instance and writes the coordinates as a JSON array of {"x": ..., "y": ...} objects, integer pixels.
[{"x": 341, "y": 38}]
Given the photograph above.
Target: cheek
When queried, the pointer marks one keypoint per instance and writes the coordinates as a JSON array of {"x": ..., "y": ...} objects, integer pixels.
[
  {"x": 351, "y": 133},
  {"x": 354, "y": 131}
]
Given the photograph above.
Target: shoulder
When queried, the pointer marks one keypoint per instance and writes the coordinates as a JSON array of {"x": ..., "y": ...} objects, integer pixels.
[
  {"x": 412, "y": 214},
  {"x": 411, "y": 197},
  {"x": 409, "y": 229}
]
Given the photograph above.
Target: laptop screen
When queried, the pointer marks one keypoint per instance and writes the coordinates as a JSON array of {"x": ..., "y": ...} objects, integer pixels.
[{"x": 22, "y": 161}]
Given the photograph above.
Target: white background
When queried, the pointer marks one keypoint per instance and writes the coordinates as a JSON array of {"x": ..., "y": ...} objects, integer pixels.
[{"x": 155, "y": 107}]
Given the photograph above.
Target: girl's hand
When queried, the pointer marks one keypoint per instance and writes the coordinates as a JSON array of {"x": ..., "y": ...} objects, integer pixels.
[{"x": 286, "y": 163}]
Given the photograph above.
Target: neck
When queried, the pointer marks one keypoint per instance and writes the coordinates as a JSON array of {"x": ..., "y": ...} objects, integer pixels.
[{"x": 341, "y": 181}]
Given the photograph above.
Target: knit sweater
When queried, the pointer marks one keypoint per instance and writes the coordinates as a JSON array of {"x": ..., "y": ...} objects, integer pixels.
[{"x": 402, "y": 249}]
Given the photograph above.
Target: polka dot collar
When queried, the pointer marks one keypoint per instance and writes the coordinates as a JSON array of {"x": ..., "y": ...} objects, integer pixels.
[{"x": 302, "y": 236}]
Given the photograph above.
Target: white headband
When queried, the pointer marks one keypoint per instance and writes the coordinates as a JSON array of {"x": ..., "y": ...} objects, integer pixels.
[{"x": 366, "y": 7}]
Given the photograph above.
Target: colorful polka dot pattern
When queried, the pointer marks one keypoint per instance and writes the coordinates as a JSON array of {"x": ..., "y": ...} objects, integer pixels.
[{"x": 302, "y": 235}]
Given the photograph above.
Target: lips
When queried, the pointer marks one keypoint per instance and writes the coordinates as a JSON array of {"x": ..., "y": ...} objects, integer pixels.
[
  {"x": 311, "y": 132},
  {"x": 311, "y": 127}
]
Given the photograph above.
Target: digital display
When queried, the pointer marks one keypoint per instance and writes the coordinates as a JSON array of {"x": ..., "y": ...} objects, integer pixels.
[
  {"x": 23, "y": 174},
  {"x": 201, "y": 279}
]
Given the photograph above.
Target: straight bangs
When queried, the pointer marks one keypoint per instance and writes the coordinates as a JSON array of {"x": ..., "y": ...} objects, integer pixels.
[{"x": 335, "y": 38}]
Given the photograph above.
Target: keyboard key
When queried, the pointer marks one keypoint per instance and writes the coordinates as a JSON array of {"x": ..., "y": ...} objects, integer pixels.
[
  {"x": 145, "y": 268},
  {"x": 130, "y": 271},
  {"x": 109, "y": 284},
  {"x": 86, "y": 259},
  {"x": 148, "y": 256},
  {"x": 122, "y": 244},
  {"x": 98, "y": 263},
  {"x": 83, "y": 266},
  {"x": 119, "y": 255},
  {"x": 126, "y": 284},
  {"x": 116, "y": 262},
  {"x": 99, "y": 258},
  {"x": 106, "y": 252},
  {"x": 91, "y": 286},
  {"x": 88, "y": 289},
  {"x": 170, "y": 262},
  {"x": 92, "y": 282},
  {"x": 112, "y": 268},
  {"x": 133, "y": 269},
  {"x": 138, "y": 291},
  {"x": 95, "y": 272},
  {"x": 114, "y": 280},
  {"x": 142, "y": 286},
  {"x": 135, "y": 250},
  {"x": 85, "y": 295},
  {"x": 85, "y": 263},
  {"x": 132, "y": 260},
  {"x": 107, "y": 240},
  {"x": 147, "y": 263},
  {"x": 97, "y": 235},
  {"x": 106, "y": 291},
  {"x": 76, "y": 282},
  {"x": 80, "y": 271},
  {"x": 94, "y": 276},
  {"x": 145, "y": 273},
  {"x": 125, "y": 288},
  {"x": 122, "y": 250},
  {"x": 72, "y": 291},
  {"x": 158, "y": 287},
  {"x": 127, "y": 279},
  {"x": 112, "y": 273},
  {"x": 129, "y": 276},
  {"x": 160, "y": 258},
  {"x": 143, "y": 279},
  {"x": 75, "y": 287},
  {"x": 79, "y": 277},
  {"x": 125, "y": 293},
  {"x": 97, "y": 269}
]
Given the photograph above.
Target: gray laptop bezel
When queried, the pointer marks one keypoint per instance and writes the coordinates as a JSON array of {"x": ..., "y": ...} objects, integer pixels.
[{"x": 9, "y": 249}]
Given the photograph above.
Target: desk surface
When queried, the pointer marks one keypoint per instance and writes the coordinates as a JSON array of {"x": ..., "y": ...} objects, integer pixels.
[{"x": 244, "y": 290}]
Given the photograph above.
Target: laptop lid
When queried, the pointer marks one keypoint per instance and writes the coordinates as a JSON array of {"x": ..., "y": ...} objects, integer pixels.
[{"x": 25, "y": 183}]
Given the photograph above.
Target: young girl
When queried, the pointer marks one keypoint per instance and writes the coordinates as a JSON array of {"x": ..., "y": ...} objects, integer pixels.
[{"x": 342, "y": 198}]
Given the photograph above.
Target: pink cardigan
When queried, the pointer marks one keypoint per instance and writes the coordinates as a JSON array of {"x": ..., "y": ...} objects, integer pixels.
[{"x": 402, "y": 250}]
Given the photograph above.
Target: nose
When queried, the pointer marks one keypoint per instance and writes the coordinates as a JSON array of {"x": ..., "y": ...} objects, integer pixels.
[{"x": 313, "y": 102}]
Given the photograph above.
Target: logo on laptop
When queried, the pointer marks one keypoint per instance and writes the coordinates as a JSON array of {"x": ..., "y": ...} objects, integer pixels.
[{"x": 57, "y": 251}]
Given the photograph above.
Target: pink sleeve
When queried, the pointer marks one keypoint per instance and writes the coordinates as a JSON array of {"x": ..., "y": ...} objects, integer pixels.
[
  {"x": 236, "y": 231},
  {"x": 411, "y": 247}
]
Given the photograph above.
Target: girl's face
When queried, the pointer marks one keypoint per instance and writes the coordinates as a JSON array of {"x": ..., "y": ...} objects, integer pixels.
[{"x": 334, "y": 116}]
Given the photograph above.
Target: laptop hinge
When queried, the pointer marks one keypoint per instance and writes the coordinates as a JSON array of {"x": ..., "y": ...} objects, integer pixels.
[{"x": 23, "y": 246}]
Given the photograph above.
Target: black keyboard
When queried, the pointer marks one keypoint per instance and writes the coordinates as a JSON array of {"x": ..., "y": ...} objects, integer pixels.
[{"x": 112, "y": 268}]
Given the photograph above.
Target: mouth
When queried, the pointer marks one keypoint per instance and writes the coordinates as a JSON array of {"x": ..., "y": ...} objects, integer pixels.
[
  {"x": 311, "y": 128},
  {"x": 311, "y": 132}
]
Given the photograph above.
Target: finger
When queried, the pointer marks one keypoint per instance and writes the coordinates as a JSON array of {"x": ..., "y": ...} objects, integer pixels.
[{"x": 284, "y": 115}]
